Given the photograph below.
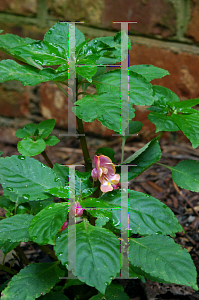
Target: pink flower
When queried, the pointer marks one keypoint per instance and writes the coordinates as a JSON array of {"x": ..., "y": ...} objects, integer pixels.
[
  {"x": 76, "y": 210},
  {"x": 105, "y": 173}
]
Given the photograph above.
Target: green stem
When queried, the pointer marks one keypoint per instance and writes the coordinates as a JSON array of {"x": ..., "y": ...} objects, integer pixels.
[
  {"x": 8, "y": 270},
  {"x": 47, "y": 159},
  {"x": 160, "y": 134},
  {"x": 22, "y": 255},
  {"x": 123, "y": 145}
]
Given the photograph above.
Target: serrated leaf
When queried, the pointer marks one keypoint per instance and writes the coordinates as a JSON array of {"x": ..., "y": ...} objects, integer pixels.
[
  {"x": 33, "y": 281},
  {"x": 107, "y": 152},
  {"x": 27, "y": 75},
  {"x": 59, "y": 35},
  {"x": 162, "y": 92},
  {"x": 150, "y": 72},
  {"x": 9, "y": 41},
  {"x": 184, "y": 104},
  {"x": 62, "y": 172},
  {"x": 86, "y": 72},
  {"x": 14, "y": 197},
  {"x": 143, "y": 158},
  {"x": 97, "y": 254},
  {"x": 46, "y": 224},
  {"x": 15, "y": 228},
  {"x": 52, "y": 140},
  {"x": 163, "y": 122},
  {"x": 186, "y": 175},
  {"x": 161, "y": 257},
  {"x": 147, "y": 215},
  {"x": 140, "y": 90},
  {"x": 21, "y": 133},
  {"x": 27, "y": 177},
  {"x": 189, "y": 124},
  {"x": 112, "y": 293},
  {"x": 26, "y": 131},
  {"x": 29, "y": 147},
  {"x": 105, "y": 107},
  {"x": 45, "y": 127},
  {"x": 41, "y": 53}
]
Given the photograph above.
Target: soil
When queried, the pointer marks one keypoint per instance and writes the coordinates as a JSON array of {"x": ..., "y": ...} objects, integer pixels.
[{"x": 156, "y": 181}]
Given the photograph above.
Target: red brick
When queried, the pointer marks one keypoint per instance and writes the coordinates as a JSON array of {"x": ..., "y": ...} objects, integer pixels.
[
  {"x": 24, "y": 8},
  {"x": 153, "y": 17},
  {"x": 192, "y": 30},
  {"x": 14, "y": 100},
  {"x": 183, "y": 68},
  {"x": 88, "y": 11}
]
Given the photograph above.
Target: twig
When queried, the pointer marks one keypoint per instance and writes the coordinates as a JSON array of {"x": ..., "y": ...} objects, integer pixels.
[
  {"x": 8, "y": 270},
  {"x": 185, "y": 198},
  {"x": 47, "y": 159},
  {"x": 22, "y": 255},
  {"x": 48, "y": 251}
]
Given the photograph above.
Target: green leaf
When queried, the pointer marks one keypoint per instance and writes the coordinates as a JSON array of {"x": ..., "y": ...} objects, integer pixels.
[
  {"x": 59, "y": 35},
  {"x": 135, "y": 126},
  {"x": 33, "y": 281},
  {"x": 186, "y": 175},
  {"x": 52, "y": 140},
  {"x": 87, "y": 72},
  {"x": 97, "y": 254},
  {"x": 162, "y": 92},
  {"x": 27, "y": 177},
  {"x": 15, "y": 228},
  {"x": 26, "y": 131},
  {"x": 1, "y": 152},
  {"x": 178, "y": 106},
  {"x": 54, "y": 296},
  {"x": 6, "y": 203},
  {"x": 14, "y": 197},
  {"x": 37, "y": 206},
  {"x": 72, "y": 282},
  {"x": 41, "y": 53},
  {"x": 163, "y": 122},
  {"x": 46, "y": 127},
  {"x": 27, "y": 75},
  {"x": 189, "y": 124},
  {"x": 62, "y": 172},
  {"x": 103, "y": 216},
  {"x": 105, "y": 107},
  {"x": 161, "y": 257},
  {"x": 140, "y": 90},
  {"x": 147, "y": 215},
  {"x": 8, "y": 246},
  {"x": 107, "y": 152},
  {"x": 143, "y": 158},
  {"x": 112, "y": 293},
  {"x": 150, "y": 72},
  {"x": 46, "y": 224},
  {"x": 9, "y": 41},
  {"x": 29, "y": 147}
]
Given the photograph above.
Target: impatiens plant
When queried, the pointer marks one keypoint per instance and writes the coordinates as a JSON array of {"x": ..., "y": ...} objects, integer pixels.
[{"x": 96, "y": 229}]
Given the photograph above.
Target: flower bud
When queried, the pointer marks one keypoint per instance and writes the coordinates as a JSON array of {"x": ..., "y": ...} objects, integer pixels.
[
  {"x": 64, "y": 226},
  {"x": 76, "y": 210}
]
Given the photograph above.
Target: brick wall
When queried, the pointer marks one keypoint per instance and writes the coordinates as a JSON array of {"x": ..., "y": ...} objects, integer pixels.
[{"x": 166, "y": 35}]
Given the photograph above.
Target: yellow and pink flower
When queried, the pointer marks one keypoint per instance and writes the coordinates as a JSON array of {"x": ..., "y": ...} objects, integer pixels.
[{"x": 104, "y": 171}]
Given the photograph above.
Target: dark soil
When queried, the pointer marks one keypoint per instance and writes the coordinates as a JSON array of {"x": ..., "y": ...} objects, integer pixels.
[{"x": 156, "y": 181}]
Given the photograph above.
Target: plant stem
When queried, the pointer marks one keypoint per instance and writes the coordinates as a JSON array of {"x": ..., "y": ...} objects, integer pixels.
[
  {"x": 123, "y": 145},
  {"x": 48, "y": 251},
  {"x": 88, "y": 162},
  {"x": 47, "y": 159},
  {"x": 22, "y": 255},
  {"x": 8, "y": 270},
  {"x": 160, "y": 134}
]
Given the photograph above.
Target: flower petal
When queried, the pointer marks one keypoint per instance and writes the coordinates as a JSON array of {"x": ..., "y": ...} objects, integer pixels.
[{"x": 94, "y": 174}]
